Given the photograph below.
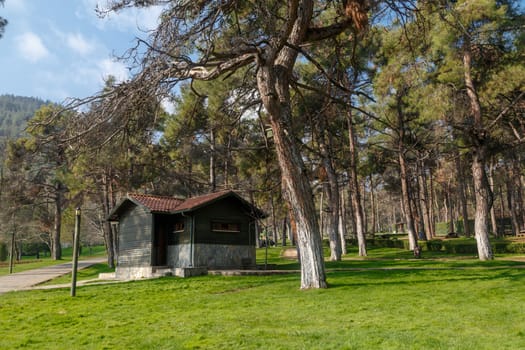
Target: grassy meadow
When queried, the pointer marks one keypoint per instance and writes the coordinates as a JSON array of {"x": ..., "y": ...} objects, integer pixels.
[{"x": 386, "y": 301}]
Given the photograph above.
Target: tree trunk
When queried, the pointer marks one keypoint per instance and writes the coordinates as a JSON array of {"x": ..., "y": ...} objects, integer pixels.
[
  {"x": 518, "y": 189},
  {"x": 257, "y": 238},
  {"x": 56, "y": 248},
  {"x": 512, "y": 200},
  {"x": 331, "y": 188},
  {"x": 405, "y": 199},
  {"x": 212, "y": 180},
  {"x": 483, "y": 200},
  {"x": 275, "y": 67},
  {"x": 493, "y": 219},
  {"x": 273, "y": 85},
  {"x": 431, "y": 207},
  {"x": 403, "y": 174},
  {"x": 450, "y": 209},
  {"x": 483, "y": 195},
  {"x": 373, "y": 206},
  {"x": 355, "y": 197},
  {"x": 108, "y": 232},
  {"x": 462, "y": 194},
  {"x": 423, "y": 201},
  {"x": 285, "y": 225},
  {"x": 342, "y": 223},
  {"x": 274, "y": 220}
]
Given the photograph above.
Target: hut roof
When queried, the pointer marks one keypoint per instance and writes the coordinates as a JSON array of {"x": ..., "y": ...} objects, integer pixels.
[{"x": 173, "y": 205}]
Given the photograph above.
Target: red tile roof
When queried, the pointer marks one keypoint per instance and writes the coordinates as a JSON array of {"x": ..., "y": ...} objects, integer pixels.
[
  {"x": 156, "y": 203},
  {"x": 165, "y": 204},
  {"x": 172, "y": 205},
  {"x": 195, "y": 202}
]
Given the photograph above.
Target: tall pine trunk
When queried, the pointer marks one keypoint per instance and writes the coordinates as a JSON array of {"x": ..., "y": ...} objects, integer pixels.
[
  {"x": 342, "y": 222},
  {"x": 108, "y": 231},
  {"x": 355, "y": 197},
  {"x": 493, "y": 219},
  {"x": 462, "y": 194},
  {"x": 405, "y": 184},
  {"x": 331, "y": 189},
  {"x": 56, "y": 247},
  {"x": 423, "y": 200},
  {"x": 483, "y": 194}
]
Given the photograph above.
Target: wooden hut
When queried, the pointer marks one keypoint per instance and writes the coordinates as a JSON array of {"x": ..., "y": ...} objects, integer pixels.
[{"x": 184, "y": 236}]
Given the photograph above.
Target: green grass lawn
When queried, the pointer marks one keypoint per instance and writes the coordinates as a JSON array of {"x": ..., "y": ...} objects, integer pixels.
[
  {"x": 87, "y": 273},
  {"x": 407, "y": 308}
]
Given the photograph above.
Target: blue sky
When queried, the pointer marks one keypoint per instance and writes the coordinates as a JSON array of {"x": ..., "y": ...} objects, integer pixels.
[{"x": 55, "y": 49}]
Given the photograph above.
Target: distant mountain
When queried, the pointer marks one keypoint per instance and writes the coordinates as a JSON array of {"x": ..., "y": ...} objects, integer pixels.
[{"x": 15, "y": 111}]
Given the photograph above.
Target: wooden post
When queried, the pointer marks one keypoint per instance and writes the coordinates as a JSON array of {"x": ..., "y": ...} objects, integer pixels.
[{"x": 75, "y": 253}]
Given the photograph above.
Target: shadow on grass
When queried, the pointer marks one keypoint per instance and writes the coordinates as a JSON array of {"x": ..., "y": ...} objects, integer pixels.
[{"x": 363, "y": 278}]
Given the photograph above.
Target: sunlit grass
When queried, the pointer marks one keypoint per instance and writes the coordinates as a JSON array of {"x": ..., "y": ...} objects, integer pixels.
[
  {"x": 88, "y": 273},
  {"x": 477, "y": 308}
]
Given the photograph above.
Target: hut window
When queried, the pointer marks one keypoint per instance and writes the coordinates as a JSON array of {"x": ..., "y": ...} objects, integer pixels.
[
  {"x": 178, "y": 227},
  {"x": 225, "y": 227}
]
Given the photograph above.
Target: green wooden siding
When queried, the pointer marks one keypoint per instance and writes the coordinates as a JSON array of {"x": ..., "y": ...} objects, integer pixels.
[
  {"x": 135, "y": 241},
  {"x": 227, "y": 210}
]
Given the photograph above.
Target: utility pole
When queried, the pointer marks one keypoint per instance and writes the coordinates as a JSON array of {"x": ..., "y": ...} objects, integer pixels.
[{"x": 76, "y": 239}]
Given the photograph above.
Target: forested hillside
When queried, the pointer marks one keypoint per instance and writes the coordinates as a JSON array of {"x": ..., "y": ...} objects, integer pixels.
[{"x": 15, "y": 111}]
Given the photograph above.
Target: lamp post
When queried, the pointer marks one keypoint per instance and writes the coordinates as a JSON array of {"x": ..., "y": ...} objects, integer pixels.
[{"x": 75, "y": 253}]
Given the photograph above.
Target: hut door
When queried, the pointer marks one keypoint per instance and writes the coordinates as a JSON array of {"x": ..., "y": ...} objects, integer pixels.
[{"x": 160, "y": 243}]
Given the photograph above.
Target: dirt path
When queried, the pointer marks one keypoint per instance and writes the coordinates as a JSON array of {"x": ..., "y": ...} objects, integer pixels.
[{"x": 28, "y": 279}]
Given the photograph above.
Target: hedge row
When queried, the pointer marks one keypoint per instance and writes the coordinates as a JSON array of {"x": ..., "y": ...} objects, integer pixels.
[
  {"x": 460, "y": 246},
  {"x": 470, "y": 246}
]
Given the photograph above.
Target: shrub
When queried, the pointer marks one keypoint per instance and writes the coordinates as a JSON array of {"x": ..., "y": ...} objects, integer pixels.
[
  {"x": 461, "y": 247},
  {"x": 434, "y": 245}
]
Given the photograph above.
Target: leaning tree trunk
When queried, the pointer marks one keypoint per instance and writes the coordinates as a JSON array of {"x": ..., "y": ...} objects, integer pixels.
[
  {"x": 275, "y": 67},
  {"x": 272, "y": 81},
  {"x": 483, "y": 194}
]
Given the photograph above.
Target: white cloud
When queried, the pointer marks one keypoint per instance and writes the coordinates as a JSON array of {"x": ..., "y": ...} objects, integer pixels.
[
  {"x": 79, "y": 44},
  {"x": 18, "y": 6},
  {"x": 31, "y": 47},
  {"x": 114, "y": 68}
]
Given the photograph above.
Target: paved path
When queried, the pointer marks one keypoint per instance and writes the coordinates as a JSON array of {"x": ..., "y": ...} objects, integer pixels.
[{"x": 28, "y": 279}]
